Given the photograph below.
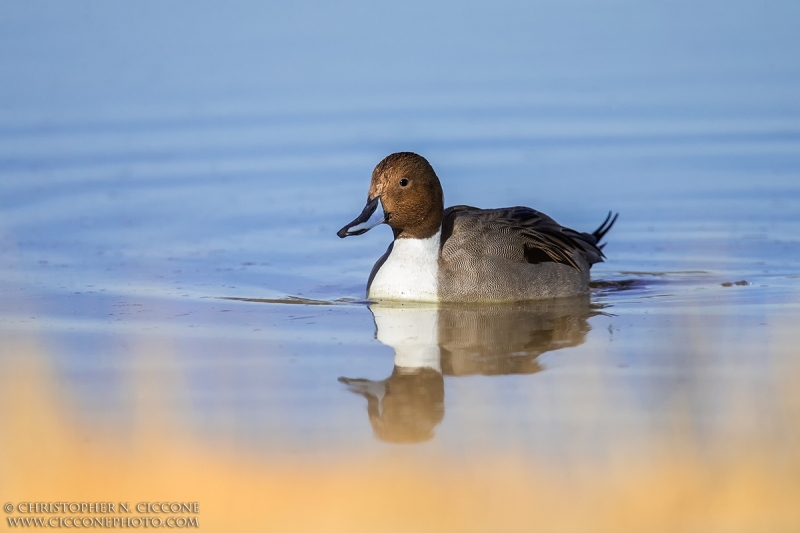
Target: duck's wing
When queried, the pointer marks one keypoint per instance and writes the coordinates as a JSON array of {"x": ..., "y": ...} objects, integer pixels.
[{"x": 525, "y": 235}]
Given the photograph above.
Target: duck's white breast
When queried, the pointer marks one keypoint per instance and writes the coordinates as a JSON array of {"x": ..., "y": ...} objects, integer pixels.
[{"x": 411, "y": 272}]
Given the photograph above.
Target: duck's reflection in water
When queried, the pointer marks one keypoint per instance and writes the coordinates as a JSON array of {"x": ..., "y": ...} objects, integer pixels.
[{"x": 458, "y": 340}]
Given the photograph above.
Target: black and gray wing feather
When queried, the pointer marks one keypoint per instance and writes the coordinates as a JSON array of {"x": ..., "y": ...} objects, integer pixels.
[{"x": 523, "y": 234}]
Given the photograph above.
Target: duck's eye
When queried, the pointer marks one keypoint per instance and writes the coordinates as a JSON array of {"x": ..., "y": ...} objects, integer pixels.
[{"x": 403, "y": 182}]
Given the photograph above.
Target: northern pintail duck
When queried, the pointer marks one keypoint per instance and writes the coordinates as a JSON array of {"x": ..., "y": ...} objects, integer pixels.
[{"x": 466, "y": 254}]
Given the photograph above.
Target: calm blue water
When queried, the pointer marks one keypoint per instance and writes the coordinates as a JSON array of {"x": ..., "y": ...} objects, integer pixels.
[{"x": 155, "y": 158}]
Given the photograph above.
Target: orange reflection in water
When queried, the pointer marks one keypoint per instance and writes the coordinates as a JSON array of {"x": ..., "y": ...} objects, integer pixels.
[{"x": 47, "y": 457}]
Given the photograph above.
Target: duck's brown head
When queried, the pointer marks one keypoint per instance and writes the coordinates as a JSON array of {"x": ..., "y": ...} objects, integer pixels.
[{"x": 405, "y": 194}]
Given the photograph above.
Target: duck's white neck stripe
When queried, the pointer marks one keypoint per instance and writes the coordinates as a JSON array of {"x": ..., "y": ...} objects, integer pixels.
[{"x": 411, "y": 272}]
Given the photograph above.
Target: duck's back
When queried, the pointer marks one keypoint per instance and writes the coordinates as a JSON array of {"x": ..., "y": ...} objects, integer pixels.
[{"x": 513, "y": 253}]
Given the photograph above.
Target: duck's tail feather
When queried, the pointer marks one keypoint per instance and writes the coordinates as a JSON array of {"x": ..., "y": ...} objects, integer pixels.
[{"x": 607, "y": 224}]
